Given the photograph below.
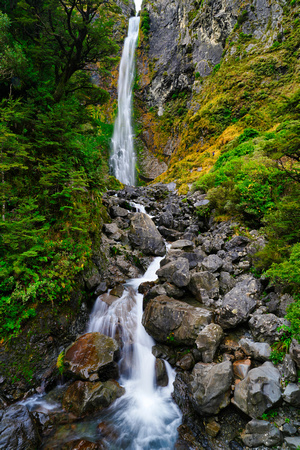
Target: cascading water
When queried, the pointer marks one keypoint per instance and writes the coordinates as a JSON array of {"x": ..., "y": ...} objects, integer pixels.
[
  {"x": 146, "y": 417},
  {"x": 122, "y": 160}
]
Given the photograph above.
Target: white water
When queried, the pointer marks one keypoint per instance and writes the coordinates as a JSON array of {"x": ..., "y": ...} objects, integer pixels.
[
  {"x": 145, "y": 417},
  {"x": 123, "y": 159}
]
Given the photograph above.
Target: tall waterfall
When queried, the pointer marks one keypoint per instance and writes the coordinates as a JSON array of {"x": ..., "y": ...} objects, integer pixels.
[{"x": 123, "y": 159}]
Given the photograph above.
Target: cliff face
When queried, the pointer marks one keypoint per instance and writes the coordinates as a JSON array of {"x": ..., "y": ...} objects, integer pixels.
[{"x": 190, "y": 56}]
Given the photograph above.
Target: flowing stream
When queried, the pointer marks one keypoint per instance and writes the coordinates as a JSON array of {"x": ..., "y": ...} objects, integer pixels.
[{"x": 122, "y": 160}]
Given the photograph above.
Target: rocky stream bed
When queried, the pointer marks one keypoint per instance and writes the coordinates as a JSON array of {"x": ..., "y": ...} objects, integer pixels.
[{"x": 212, "y": 319}]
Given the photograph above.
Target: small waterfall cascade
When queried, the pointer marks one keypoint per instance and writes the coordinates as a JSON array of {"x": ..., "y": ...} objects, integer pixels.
[
  {"x": 146, "y": 416},
  {"x": 123, "y": 159}
]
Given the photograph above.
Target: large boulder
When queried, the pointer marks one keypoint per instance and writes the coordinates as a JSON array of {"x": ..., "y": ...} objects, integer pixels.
[
  {"x": 145, "y": 236},
  {"x": 208, "y": 341},
  {"x": 259, "y": 391},
  {"x": 210, "y": 387},
  {"x": 176, "y": 272},
  {"x": 86, "y": 397},
  {"x": 92, "y": 357},
  {"x": 204, "y": 285},
  {"x": 18, "y": 430},
  {"x": 239, "y": 303},
  {"x": 171, "y": 321},
  {"x": 291, "y": 395},
  {"x": 212, "y": 263},
  {"x": 261, "y": 432}
]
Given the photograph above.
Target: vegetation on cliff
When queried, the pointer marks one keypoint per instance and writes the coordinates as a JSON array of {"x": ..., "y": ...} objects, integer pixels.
[{"x": 53, "y": 147}]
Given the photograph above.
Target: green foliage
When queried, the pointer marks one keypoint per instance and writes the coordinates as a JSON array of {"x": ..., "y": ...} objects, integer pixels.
[
  {"x": 145, "y": 24},
  {"x": 60, "y": 362},
  {"x": 288, "y": 271}
]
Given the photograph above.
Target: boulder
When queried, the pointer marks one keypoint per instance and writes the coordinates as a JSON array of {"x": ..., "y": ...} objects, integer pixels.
[
  {"x": 84, "y": 397},
  {"x": 264, "y": 327},
  {"x": 92, "y": 357},
  {"x": 176, "y": 272},
  {"x": 174, "y": 322},
  {"x": 203, "y": 285},
  {"x": 208, "y": 341},
  {"x": 226, "y": 282},
  {"x": 239, "y": 303},
  {"x": 117, "y": 211},
  {"x": 259, "y": 391},
  {"x": 210, "y": 387},
  {"x": 241, "y": 368},
  {"x": 291, "y": 395},
  {"x": 161, "y": 374},
  {"x": 212, "y": 263},
  {"x": 295, "y": 352},
  {"x": 257, "y": 350},
  {"x": 18, "y": 430},
  {"x": 144, "y": 235},
  {"x": 292, "y": 443},
  {"x": 183, "y": 244},
  {"x": 237, "y": 243},
  {"x": 261, "y": 432},
  {"x": 289, "y": 368}
]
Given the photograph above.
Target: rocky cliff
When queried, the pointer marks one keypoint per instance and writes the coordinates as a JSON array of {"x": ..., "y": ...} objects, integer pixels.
[{"x": 191, "y": 56}]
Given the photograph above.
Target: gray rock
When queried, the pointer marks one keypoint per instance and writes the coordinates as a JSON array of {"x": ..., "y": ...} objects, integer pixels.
[
  {"x": 166, "y": 219},
  {"x": 176, "y": 272},
  {"x": 161, "y": 375},
  {"x": 117, "y": 211},
  {"x": 292, "y": 443},
  {"x": 171, "y": 321},
  {"x": 210, "y": 387},
  {"x": 212, "y": 263},
  {"x": 226, "y": 282},
  {"x": 18, "y": 430},
  {"x": 208, "y": 341},
  {"x": 288, "y": 429},
  {"x": 259, "y": 391},
  {"x": 295, "y": 352},
  {"x": 101, "y": 288},
  {"x": 264, "y": 327},
  {"x": 239, "y": 303},
  {"x": 257, "y": 350},
  {"x": 237, "y": 243},
  {"x": 183, "y": 244},
  {"x": 144, "y": 235},
  {"x": 289, "y": 368},
  {"x": 261, "y": 432},
  {"x": 204, "y": 284},
  {"x": 92, "y": 278},
  {"x": 291, "y": 395}
]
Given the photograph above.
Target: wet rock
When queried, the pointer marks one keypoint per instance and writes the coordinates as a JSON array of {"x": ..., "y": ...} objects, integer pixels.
[
  {"x": 212, "y": 263},
  {"x": 261, "y": 432},
  {"x": 295, "y": 351},
  {"x": 92, "y": 355},
  {"x": 289, "y": 369},
  {"x": 92, "y": 278},
  {"x": 264, "y": 327},
  {"x": 84, "y": 397},
  {"x": 210, "y": 387},
  {"x": 208, "y": 341},
  {"x": 241, "y": 368},
  {"x": 259, "y": 391},
  {"x": 82, "y": 444},
  {"x": 257, "y": 350},
  {"x": 161, "y": 374},
  {"x": 204, "y": 284},
  {"x": 144, "y": 235},
  {"x": 18, "y": 430},
  {"x": 176, "y": 272},
  {"x": 174, "y": 322},
  {"x": 212, "y": 428},
  {"x": 101, "y": 288},
  {"x": 183, "y": 244},
  {"x": 291, "y": 395},
  {"x": 117, "y": 291},
  {"x": 238, "y": 303}
]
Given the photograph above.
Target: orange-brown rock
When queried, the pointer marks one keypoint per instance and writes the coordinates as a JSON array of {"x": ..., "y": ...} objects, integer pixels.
[
  {"x": 92, "y": 357},
  {"x": 241, "y": 368}
]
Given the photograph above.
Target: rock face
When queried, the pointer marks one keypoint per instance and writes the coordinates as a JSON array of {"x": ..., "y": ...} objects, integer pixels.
[
  {"x": 18, "y": 430},
  {"x": 239, "y": 303},
  {"x": 83, "y": 398},
  {"x": 209, "y": 388},
  {"x": 92, "y": 357},
  {"x": 259, "y": 391},
  {"x": 171, "y": 321},
  {"x": 145, "y": 236}
]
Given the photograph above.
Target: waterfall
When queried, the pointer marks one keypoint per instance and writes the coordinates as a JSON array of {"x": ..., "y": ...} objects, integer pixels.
[{"x": 123, "y": 159}]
